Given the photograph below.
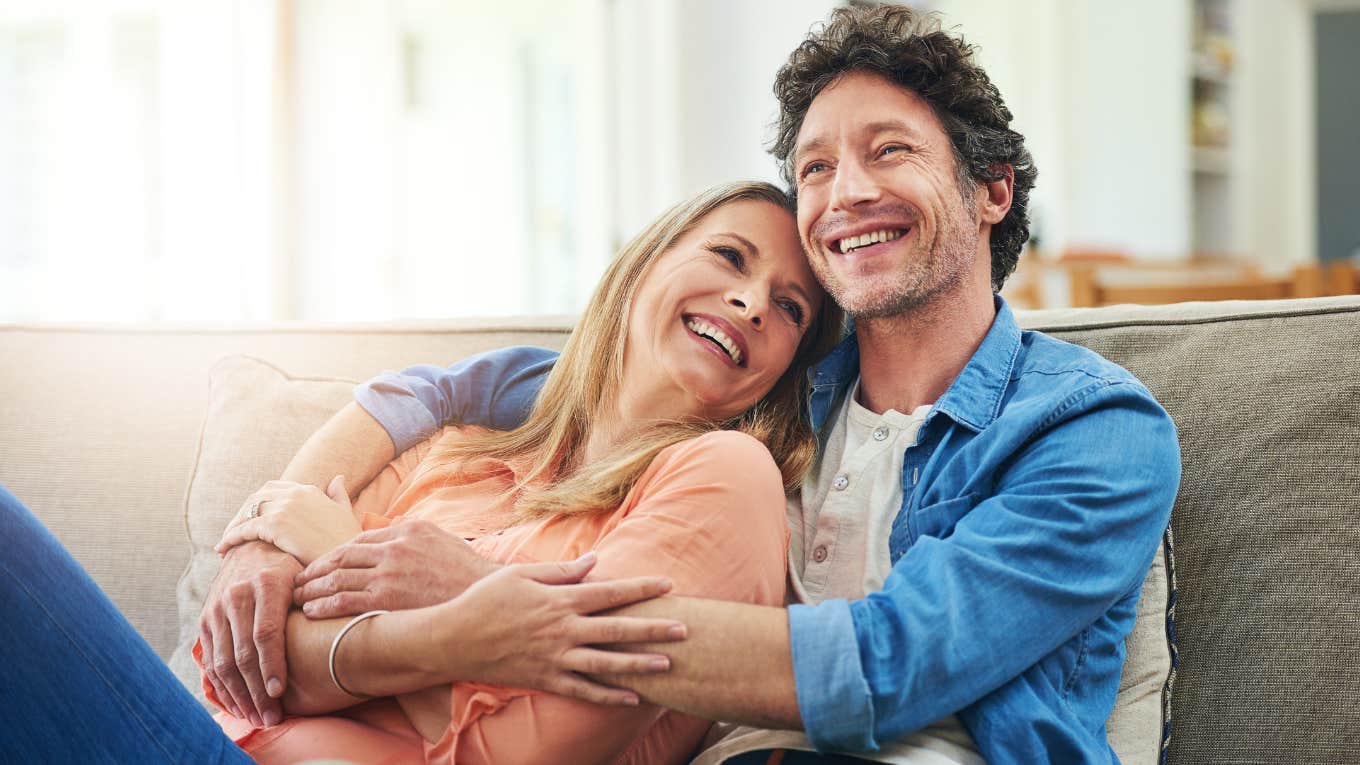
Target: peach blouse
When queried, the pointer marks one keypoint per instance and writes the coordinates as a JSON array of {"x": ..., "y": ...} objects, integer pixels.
[{"x": 708, "y": 513}]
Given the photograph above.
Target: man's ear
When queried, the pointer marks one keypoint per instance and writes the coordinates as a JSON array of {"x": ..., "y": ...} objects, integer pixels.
[{"x": 994, "y": 198}]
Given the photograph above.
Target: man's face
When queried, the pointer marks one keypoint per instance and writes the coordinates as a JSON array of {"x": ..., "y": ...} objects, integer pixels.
[{"x": 880, "y": 212}]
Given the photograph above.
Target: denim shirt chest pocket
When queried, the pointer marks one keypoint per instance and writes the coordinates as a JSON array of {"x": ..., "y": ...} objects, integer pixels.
[
  {"x": 938, "y": 519},
  {"x": 935, "y": 519}
]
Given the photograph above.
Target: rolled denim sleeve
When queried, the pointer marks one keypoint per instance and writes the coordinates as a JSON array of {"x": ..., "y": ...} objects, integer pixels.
[
  {"x": 1068, "y": 527},
  {"x": 495, "y": 389},
  {"x": 837, "y": 706}
]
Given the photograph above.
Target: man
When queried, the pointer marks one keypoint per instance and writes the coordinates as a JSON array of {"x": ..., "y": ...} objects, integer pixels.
[{"x": 968, "y": 551}]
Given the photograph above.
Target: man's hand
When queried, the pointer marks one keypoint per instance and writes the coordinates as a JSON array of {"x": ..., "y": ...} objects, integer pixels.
[
  {"x": 546, "y": 638},
  {"x": 241, "y": 631},
  {"x": 407, "y": 565}
]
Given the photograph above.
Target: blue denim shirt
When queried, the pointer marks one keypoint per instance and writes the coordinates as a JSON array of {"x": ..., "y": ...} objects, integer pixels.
[{"x": 1034, "y": 499}]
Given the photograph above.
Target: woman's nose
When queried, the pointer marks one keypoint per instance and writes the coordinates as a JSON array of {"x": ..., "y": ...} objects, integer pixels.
[{"x": 748, "y": 306}]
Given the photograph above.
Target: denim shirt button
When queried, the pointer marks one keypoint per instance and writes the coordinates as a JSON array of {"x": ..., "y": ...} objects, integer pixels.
[{"x": 841, "y": 482}]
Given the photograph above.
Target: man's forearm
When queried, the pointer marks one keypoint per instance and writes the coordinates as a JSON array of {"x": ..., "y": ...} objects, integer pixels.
[
  {"x": 351, "y": 443},
  {"x": 736, "y": 663}
]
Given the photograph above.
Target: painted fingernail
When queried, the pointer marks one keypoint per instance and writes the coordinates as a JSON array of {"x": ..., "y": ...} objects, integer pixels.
[
  {"x": 271, "y": 718},
  {"x": 660, "y": 663},
  {"x": 677, "y": 632},
  {"x": 275, "y": 687}
]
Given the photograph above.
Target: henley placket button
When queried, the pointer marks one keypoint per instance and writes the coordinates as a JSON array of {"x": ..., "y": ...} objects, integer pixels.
[
  {"x": 841, "y": 482},
  {"x": 819, "y": 554},
  {"x": 880, "y": 432}
]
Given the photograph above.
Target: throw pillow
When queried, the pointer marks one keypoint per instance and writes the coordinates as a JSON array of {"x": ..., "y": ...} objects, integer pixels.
[{"x": 258, "y": 417}]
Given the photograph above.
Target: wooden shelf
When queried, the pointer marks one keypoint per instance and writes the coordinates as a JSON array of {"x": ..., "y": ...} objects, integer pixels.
[
  {"x": 1205, "y": 70},
  {"x": 1210, "y": 160}
]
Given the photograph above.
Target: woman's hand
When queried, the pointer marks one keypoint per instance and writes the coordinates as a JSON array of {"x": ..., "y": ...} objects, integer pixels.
[
  {"x": 536, "y": 626},
  {"x": 296, "y": 518}
]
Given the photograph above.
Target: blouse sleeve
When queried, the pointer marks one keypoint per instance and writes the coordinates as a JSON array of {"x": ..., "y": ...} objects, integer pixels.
[{"x": 708, "y": 513}]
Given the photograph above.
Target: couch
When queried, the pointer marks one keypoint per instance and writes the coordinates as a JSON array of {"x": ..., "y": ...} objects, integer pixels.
[{"x": 136, "y": 443}]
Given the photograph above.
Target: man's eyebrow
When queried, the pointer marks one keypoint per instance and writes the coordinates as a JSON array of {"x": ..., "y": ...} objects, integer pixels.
[
  {"x": 873, "y": 128},
  {"x": 892, "y": 126},
  {"x": 809, "y": 145}
]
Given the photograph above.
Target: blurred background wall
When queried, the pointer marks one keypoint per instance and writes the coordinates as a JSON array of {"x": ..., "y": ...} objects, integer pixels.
[{"x": 372, "y": 159}]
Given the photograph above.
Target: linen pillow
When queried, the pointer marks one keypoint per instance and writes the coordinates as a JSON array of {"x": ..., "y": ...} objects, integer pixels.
[
  {"x": 258, "y": 417},
  {"x": 1137, "y": 725}
]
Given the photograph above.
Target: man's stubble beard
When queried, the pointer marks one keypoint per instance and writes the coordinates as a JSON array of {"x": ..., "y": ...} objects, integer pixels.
[{"x": 925, "y": 278}]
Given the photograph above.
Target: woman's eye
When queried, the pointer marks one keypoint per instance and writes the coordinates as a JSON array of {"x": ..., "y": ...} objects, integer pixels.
[
  {"x": 794, "y": 311},
  {"x": 731, "y": 255}
]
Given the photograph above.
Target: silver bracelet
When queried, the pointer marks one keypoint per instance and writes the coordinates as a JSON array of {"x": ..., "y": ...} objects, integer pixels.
[{"x": 336, "y": 644}]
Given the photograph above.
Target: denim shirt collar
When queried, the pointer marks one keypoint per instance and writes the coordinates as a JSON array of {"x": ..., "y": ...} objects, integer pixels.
[{"x": 972, "y": 400}]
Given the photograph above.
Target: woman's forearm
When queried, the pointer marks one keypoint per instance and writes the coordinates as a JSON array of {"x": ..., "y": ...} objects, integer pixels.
[
  {"x": 527, "y": 625},
  {"x": 384, "y": 655}
]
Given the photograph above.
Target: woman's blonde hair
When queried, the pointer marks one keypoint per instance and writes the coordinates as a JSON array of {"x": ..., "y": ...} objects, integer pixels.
[{"x": 589, "y": 373}]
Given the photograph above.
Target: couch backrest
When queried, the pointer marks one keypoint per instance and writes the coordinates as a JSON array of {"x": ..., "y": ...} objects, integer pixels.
[
  {"x": 1266, "y": 398},
  {"x": 99, "y": 429}
]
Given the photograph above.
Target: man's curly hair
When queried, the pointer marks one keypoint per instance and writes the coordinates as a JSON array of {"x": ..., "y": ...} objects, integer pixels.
[{"x": 910, "y": 50}]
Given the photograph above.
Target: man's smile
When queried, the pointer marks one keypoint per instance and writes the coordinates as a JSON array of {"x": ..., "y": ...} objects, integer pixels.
[{"x": 852, "y": 243}]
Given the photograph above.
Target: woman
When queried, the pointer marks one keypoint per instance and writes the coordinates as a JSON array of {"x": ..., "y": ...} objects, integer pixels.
[{"x": 663, "y": 443}]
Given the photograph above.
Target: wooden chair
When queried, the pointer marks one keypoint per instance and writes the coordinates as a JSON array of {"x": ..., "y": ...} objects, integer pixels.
[
  {"x": 1341, "y": 278},
  {"x": 1094, "y": 286}
]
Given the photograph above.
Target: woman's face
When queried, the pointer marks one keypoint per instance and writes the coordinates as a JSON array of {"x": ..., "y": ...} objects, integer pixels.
[{"x": 718, "y": 316}]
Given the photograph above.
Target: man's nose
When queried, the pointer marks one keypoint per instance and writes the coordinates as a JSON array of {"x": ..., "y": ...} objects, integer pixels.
[{"x": 854, "y": 184}]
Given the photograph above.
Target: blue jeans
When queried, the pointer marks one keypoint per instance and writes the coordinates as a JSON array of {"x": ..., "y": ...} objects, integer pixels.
[{"x": 77, "y": 683}]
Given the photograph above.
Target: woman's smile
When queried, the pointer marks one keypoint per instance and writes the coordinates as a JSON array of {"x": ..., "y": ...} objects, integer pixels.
[{"x": 718, "y": 337}]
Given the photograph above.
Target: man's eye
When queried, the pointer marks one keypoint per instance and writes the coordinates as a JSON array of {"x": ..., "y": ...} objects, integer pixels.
[
  {"x": 892, "y": 148},
  {"x": 731, "y": 255},
  {"x": 812, "y": 168}
]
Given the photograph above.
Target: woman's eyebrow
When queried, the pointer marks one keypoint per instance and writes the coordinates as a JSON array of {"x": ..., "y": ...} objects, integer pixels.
[
  {"x": 745, "y": 243},
  {"x": 797, "y": 288}
]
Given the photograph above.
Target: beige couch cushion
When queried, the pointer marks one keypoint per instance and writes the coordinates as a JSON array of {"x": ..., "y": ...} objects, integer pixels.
[{"x": 258, "y": 416}]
